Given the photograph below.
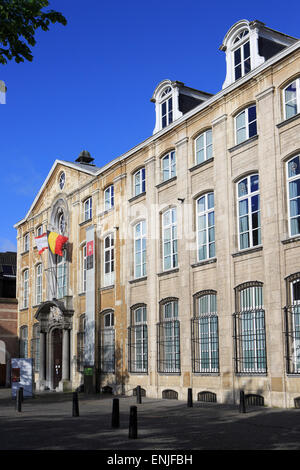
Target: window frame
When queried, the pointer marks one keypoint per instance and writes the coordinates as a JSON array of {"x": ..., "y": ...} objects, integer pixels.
[
  {"x": 246, "y": 125},
  {"x": 107, "y": 331},
  {"x": 24, "y": 341},
  {"x": 169, "y": 171},
  {"x": 240, "y": 45},
  {"x": 166, "y": 98},
  {"x": 109, "y": 199},
  {"x": 205, "y": 148},
  {"x": 138, "y": 337},
  {"x": 206, "y": 214},
  {"x": 140, "y": 186},
  {"x": 173, "y": 240},
  {"x": 38, "y": 283},
  {"x": 297, "y": 98},
  {"x": 61, "y": 275},
  {"x": 168, "y": 338},
  {"x": 26, "y": 242},
  {"x": 142, "y": 251},
  {"x": 83, "y": 268},
  {"x": 109, "y": 276},
  {"x": 88, "y": 209},
  {"x": 289, "y": 180},
  {"x": 25, "y": 284},
  {"x": 250, "y": 194}
]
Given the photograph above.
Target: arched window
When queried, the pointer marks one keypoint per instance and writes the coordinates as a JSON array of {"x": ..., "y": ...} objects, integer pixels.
[
  {"x": 245, "y": 124},
  {"x": 166, "y": 107},
  {"x": 205, "y": 227},
  {"x": 249, "y": 329},
  {"x": 62, "y": 180},
  {"x": 138, "y": 339},
  {"x": 25, "y": 288},
  {"x": 169, "y": 237},
  {"x": 293, "y": 188},
  {"x": 291, "y": 99},
  {"x": 140, "y": 249},
  {"x": 168, "y": 335},
  {"x": 241, "y": 54},
  {"x": 292, "y": 323},
  {"x": 107, "y": 342},
  {"x": 109, "y": 260},
  {"x": 203, "y": 146},
  {"x": 205, "y": 337},
  {"x": 38, "y": 283},
  {"x": 249, "y": 212}
]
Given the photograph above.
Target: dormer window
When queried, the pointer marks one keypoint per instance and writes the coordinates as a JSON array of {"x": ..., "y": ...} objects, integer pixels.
[
  {"x": 166, "y": 107},
  {"x": 241, "y": 61}
]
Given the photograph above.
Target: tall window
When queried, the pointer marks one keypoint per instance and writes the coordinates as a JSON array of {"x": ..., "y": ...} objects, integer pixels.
[
  {"x": 293, "y": 185},
  {"x": 25, "y": 288},
  {"x": 168, "y": 166},
  {"x": 24, "y": 342},
  {"x": 26, "y": 242},
  {"x": 168, "y": 335},
  {"x": 249, "y": 212},
  {"x": 205, "y": 340},
  {"x": 80, "y": 343},
  {"x": 38, "y": 284},
  {"x": 88, "y": 209},
  {"x": 61, "y": 275},
  {"x": 166, "y": 107},
  {"x": 107, "y": 343},
  {"x": 203, "y": 147},
  {"x": 140, "y": 249},
  {"x": 83, "y": 267},
  {"x": 109, "y": 260},
  {"x": 35, "y": 346},
  {"x": 169, "y": 235},
  {"x": 206, "y": 227},
  {"x": 245, "y": 124},
  {"x": 109, "y": 198},
  {"x": 249, "y": 329},
  {"x": 291, "y": 96},
  {"x": 139, "y": 181},
  {"x": 61, "y": 223},
  {"x": 292, "y": 324},
  {"x": 138, "y": 340},
  {"x": 241, "y": 54}
]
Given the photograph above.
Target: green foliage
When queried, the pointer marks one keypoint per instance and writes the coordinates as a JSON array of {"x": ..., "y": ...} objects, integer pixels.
[{"x": 19, "y": 19}]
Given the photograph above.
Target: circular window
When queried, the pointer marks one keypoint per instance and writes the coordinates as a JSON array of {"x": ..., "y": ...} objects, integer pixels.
[
  {"x": 61, "y": 223},
  {"x": 62, "y": 180}
]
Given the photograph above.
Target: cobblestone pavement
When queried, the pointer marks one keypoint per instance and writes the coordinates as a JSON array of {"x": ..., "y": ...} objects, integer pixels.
[{"x": 46, "y": 423}]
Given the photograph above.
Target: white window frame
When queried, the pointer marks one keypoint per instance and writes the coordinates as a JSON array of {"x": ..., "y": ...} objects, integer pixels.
[
  {"x": 166, "y": 99},
  {"x": 38, "y": 283},
  {"x": 208, "y": 325},
  {"x": 297, "y": 98},
  {"x": 171, "y": 332},
  {"x": 109, "y": 261},
  {"x": 171, "y": 228},
  {"x": 88, "y": 209},
  {"x": 168, "y": 171},
  {"x": 26, "y": 242},
  {"x": 141, "y": 339},
  {"x": 246, "y": 125},
  {"x": 208, "y": 228},
  {"x": 83, "y": 268},
  {"x": 240, "y": 45},
  {"x": 140, "y": 249},
  {"x": 109, "y": 197},
  {"x": 207, "y": 147},
  {"x": 108, "y": 343},
  {"x": 248, "y": 197},
  {"x": 290, "y": 180},
  {"x": 26, "y": 288},
  {"x": 139, "y": 181},
  {"x": 61, "y": 275}
]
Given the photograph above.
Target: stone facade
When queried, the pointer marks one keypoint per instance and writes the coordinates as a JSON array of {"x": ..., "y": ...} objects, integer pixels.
[{"x": 242, "y": 344}]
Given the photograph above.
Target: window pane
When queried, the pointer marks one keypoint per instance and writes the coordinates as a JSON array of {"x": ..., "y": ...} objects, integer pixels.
[
  {"x": 246, "y": 50},
  {"x": 237, "y": 56},
  {"x": 294, "y": 167},
  {"x": 252, "y": 129},
  {"x": 252, "y": 113}
]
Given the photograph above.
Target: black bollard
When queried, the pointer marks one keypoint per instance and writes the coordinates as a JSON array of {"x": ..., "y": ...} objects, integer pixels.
[
  {"x": 190, "y": 398},
  {"x": 19, "y": 400},
  {"x": 133, "y": 423},
  {"x": 242, "y": 402},
  {"x": 138, "y": 394},
  {"x": 115, "y": 420},
  {"x": 75, "y": 408}
]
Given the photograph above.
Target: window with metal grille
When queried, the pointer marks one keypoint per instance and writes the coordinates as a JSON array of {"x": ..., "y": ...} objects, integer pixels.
[
  {"x": 24, "y": 342},
  {"x": 293, "y": 190},
  {"x": 168, "y": 337},
  {"x": 107, "y": 343},
  {"x": 38, "y": 283},
  {"x": 138, "y": 340},
  {"x": 249, "y": 330},
  {"x": 80, "y": 343},
  {"x": 292, "y": 324},
  {"x": 205, "y": 337},
  {"x": 35, "y": 347}
]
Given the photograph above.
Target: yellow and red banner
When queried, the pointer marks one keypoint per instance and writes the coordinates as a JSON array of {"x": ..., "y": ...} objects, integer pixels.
[{"x": 56, "y": 242}]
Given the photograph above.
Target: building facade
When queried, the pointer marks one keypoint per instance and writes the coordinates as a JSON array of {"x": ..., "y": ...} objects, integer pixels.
[{"x": 182, "y": 263}]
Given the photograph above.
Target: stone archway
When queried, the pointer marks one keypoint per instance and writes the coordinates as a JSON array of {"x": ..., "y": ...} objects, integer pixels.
[{"x": 55, "y": 322}]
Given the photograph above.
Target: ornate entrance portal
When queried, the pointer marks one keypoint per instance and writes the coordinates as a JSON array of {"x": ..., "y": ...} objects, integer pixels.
[{"x": 55, "y": 345}]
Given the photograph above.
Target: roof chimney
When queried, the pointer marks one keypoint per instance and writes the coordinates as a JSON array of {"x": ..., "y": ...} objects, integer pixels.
[{"x": 85, "y": 157}]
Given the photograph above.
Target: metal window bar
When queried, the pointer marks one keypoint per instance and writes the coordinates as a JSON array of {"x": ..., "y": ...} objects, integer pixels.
[
  {"x": 80, "y": 351},
  {"x": 107, "y": 350},
  {"x": 35, "y": 353},
  {"x": 205, "y": 344},
  {"x": 292, "y": 336},
  {"x": 168, "y": 346},
  {"x": 138, "y": 348},
  {"x": 250, "y": 342}
]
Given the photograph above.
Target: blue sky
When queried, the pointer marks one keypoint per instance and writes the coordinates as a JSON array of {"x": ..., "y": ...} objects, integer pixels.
[{"x": 90, "y": 83}]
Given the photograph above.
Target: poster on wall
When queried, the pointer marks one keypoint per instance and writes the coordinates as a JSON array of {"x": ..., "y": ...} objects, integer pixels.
[{"x": 22, "y": 376}]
